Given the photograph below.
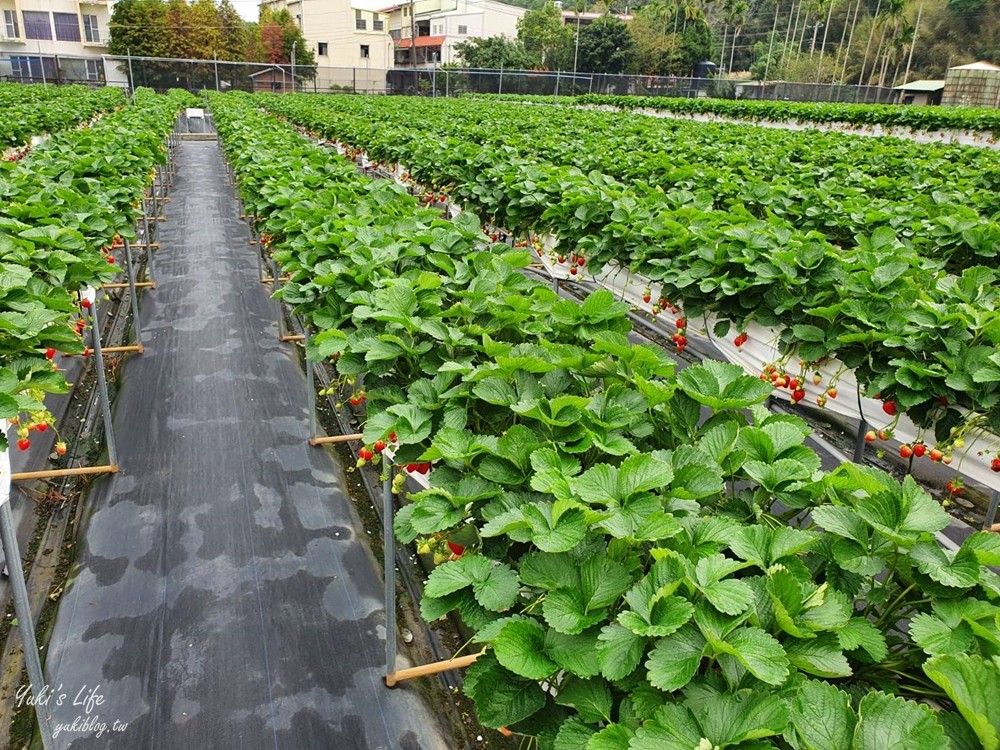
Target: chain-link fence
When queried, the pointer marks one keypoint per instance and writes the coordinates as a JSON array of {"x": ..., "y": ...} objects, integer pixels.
[
  {"x": 21, "y": 67},
  {"x": 165, "y": 73}
]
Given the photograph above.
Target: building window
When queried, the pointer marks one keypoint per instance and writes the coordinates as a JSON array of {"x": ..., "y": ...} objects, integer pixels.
[
  {"x": 93, "y": 70},
  {"x": 406, "y": 10},
  {"x": 67, "y": 27},
  {"x": 322, "y": 48},
  {"x": 90, "y": 30},
  {"x": 378, "y": 25},
  {"x": 33, "y": 69},
  {"x": 359, "y": 22},
  {"x": 10, "y": 23},
  {"x": 463, "y": 29},
  {"x": 36, "y": 25},
  {"x": 365, "y": 52}
]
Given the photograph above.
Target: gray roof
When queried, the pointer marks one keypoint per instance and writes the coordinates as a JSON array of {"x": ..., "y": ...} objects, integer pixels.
[{"x": 921, "y": 86}]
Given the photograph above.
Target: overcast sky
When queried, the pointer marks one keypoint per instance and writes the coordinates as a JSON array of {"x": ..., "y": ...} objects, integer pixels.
[{"x": 246, "y": 8}]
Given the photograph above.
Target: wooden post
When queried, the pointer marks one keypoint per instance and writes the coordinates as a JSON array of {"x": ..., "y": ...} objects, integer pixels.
[
  {"x": 329, "y": 439},
  {"x": 53, "y": 473},
  {"x": 428, "y": 669}
]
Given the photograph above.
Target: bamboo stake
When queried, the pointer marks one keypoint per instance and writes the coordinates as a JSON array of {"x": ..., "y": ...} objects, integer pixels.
[
  {"x": 53, "y": 473},
  {"x": 327, "y": 440},
  {"x": 428, "y": 669},
  {"x": 293, "y": 337},
  {"x": 121, "y": 349},
  {"x": 270, "y": 279},
  {"x": 138, "y": 284}
]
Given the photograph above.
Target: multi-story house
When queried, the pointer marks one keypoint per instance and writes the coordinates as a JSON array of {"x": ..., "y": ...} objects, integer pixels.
[
  {"x": 350, "y": 40},
  {"x": 57, "y": 41},
  {"x": 440, "y": 24}
]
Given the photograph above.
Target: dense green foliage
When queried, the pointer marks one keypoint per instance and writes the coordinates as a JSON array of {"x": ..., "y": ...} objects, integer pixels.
[
  {"x": 36, "y": 109},
  {"x": 882, "y": 300},
  {"x": 61, "y": 206},
  {"x": 623, "y": 562},
  {"x": 922, "y": 118}
]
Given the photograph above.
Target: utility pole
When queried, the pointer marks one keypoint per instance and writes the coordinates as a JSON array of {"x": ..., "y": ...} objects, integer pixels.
[
  {"x": 413, "y": 46},
  {"x": 850, "y": 41},
  {"x": 294, "y": 45},
  {"x": 770, "y": 46},
  {"x": 822, "y": 46},
  {"x": 913, "y": 43},
  {"x": 871, "y": 35},
  {"x": 576, "y": 50}
]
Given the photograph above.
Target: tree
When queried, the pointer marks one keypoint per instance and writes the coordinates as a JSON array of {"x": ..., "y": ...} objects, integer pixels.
[
  {"x": 606, "y": 47},
  {"x": 657, "y": 48},
  {"x": 542, "y": 34},
  {"x": 278, "y": 32},
  {"x": 492, "y": 53},
  {"x": 139, "y": 27}
]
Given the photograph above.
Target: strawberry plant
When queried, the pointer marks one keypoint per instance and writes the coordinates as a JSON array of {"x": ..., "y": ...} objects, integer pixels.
[
  {"x": 61, "y": 207},
  {"x": 649, "y": 560}
]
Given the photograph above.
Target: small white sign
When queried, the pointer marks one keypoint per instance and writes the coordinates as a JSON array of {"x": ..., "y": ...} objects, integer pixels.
[{"x": 194, "y": 112}]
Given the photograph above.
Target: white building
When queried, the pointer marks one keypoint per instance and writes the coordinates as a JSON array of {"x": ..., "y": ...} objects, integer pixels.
[
  {"x": 343, "y": 35},
  {"x": 440, "y": 24},
  {"x": 55, "y": 41}
]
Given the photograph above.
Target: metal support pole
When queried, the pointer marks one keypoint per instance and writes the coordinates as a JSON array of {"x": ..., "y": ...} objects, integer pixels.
[
  {"x": 131, "y": 75},
  {"x": 22, "y": 608},
  {"x": 150, "y": 270},
  {"x": 859, "y": 442},
  {"x": 310, "y": 386},
  {"x": 102, "y": 384},
  {"x": 389, "y": 563},
  {"x": 134, "y": 298},
  {"x": 991, "y": 513},
  {"x": 275, "y": 274}
]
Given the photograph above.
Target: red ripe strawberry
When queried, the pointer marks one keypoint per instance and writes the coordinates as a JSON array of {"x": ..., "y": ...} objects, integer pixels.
[
  {"x": 86, "y": 352},
  {"x": 936, "y": 455},
  {"x": 424, "y": 467},
  {"x": 871, "y": 436},
  {"x": 995, "y": 464},
  {"x": 411, "y": 467},
  {"x": 50, "y": 353},
  {"x": 682, "y": 323},
  {"x": 581, "y": 260},
  {"x": 646, "y": 298},
  {"x": 379, "y": 446},
  {"x": 85, "y": 303},
  {"x": 354, "y": 401},
  {"x": 832, "y": 393},
  {"x": 456, "y": 549},
  {"x": 798, "y": 395},
  {"x": 793, "y": 384},
  {"x": 919, "y": 449},
  {"x": 955, "y": 488},
  {"x": 943, "y": 400},
  {"x": 573, "y": 271},
  {"x": 905, "y": 451},
  {"x": 889, "y": 407},
  {"x": 366, "y": 454},
  {"x": 41, "y": 427},
  {"x": 23, "y": 444},
  {"x": 392, "y": 437}
]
